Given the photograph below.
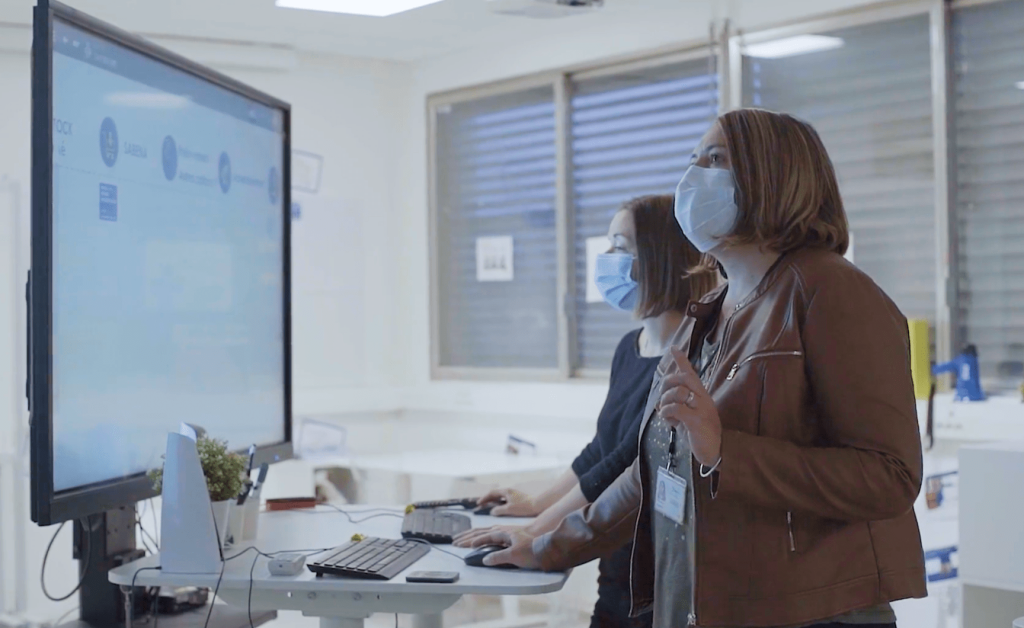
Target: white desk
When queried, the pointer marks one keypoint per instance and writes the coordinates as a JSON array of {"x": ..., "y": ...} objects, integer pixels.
[{"x": 339, "y": 602}]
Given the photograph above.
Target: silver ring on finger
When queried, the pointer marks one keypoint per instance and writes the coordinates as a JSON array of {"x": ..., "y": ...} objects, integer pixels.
[{"x": 690, "y": 400}]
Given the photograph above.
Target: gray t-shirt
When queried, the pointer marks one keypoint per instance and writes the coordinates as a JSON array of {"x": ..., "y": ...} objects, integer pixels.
[{"x": 673, "y": 543}]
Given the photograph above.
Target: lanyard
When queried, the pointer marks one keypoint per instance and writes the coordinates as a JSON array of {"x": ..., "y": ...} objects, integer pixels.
[{"x": 670, "y": 464}]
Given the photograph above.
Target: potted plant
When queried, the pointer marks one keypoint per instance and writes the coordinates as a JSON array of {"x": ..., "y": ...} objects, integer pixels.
[{"x": 225, "y": 475}]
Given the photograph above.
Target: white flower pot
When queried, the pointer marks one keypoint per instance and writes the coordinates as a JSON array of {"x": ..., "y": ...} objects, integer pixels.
[{"x": 221, "y": 514}]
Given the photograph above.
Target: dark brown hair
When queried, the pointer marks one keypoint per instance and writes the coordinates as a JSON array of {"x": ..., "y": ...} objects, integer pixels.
[
  {"x": 786, "y": 186},
  {"x": 665, "y": 258}
]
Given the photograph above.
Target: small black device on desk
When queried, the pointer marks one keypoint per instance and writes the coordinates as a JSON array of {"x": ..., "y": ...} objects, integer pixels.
[
  {"x": 434, "y": 526},
  {"x": 469, "y": 503},
  {"x": 371, "y": 559},
  {"x": 433, "y": 577}
]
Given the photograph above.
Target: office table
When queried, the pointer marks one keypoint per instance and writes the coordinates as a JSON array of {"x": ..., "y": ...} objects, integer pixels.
[{"x": 342, "y": 602}]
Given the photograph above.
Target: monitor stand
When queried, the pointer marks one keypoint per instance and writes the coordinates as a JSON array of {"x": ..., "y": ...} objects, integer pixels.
[{"x": 107, "y": 540}]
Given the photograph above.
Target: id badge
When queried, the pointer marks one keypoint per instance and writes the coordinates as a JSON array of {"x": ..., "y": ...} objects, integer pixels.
[{"x": 670, "y": 498}]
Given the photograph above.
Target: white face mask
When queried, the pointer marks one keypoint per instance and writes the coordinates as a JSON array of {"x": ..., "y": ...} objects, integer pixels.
[
  {"x": 706, "y": 206},
  {"x": 613, "y": 275}
]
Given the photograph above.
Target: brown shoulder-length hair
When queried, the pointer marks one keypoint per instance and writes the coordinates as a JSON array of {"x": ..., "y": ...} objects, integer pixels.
[
  {"x": 786, "y": 187},
  {"x": 666, "y": 261}
]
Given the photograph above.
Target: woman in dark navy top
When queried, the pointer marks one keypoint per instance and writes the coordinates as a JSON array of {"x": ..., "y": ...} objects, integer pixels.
[{"x": 647, "y": 271}]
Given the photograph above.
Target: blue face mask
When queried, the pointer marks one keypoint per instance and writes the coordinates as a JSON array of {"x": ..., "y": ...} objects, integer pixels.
[
  {"x": 613, "y": 276},
  {"x": 706, "y": 206}
]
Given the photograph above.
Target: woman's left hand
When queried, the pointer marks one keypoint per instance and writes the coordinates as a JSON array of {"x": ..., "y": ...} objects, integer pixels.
[{"x": 685, "y": 402}]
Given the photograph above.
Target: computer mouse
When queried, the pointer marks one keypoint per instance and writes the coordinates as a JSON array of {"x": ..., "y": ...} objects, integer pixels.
[
  {"x": 476, "y": 557},
  {"x": 483, "y": 511}
]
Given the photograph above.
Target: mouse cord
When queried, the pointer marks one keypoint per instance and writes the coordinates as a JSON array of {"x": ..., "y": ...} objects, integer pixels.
[{"x": 436, "y": 548}]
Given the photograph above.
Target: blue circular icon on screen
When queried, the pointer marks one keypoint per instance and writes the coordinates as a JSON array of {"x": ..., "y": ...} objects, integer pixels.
[
  {"x": 108, "y": 142},
  {"x": 170, "y": 158},
  {"x": 225, "y": 172},
  {"x": 274, "y": 186}
]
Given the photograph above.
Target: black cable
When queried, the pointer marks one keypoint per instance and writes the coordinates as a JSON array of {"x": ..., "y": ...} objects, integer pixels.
[
  {"x": 156, "y": 524},
  {"x": 136, "y": 576},
  {"x": 131, "y": 591},
  {"x": 216, "y": 590},
  {"x": 85, "y": 571},
  {"x": 252, "y": 568},
  {"x": 436, "y": 548},
  {"x": 155, "y": 603},
  {"x": 929, "y": 430},
  {"x": 383, "y": 512},
  {"x": 146, "y": 537},
  {"x": 252, "y": 577},
  {"x": 140, "y": 519}
]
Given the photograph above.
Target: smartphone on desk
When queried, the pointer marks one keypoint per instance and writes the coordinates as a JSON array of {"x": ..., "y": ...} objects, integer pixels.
[{"x": 433, "y": 577}]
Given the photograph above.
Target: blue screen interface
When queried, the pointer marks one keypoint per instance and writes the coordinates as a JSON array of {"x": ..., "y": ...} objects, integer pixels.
[{"x": 168, "y": 282}]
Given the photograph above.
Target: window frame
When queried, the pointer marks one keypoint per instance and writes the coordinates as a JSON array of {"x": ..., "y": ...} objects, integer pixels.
[
  {"x": 955, "y": 335},
  {"x": 726, "y": 43},
  {"x": 561, "y": 82},
  {"x": 696, "y": 53},
  {"x": 434, "y": 103},
  {"x": 938, "y": 12}
]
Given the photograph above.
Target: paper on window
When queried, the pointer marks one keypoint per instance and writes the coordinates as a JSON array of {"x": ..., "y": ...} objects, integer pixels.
[{"x": 494, "y": 259}]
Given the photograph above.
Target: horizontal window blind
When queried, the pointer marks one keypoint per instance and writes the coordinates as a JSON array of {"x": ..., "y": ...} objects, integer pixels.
[
  {"x": 871, "y": 101},
  {"x": 495, "y": 177},
  {"x": 631, "y": 135},
  {"x": 988, "y": 62}
]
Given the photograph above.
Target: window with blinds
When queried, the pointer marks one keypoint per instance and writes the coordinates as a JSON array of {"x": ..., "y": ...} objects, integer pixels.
[
  {"x": 868, "y": 92},
  {"x": 632, "y": 134},
  {"x": 988, "y": 65},
  {"x": 495, "y": 168}
]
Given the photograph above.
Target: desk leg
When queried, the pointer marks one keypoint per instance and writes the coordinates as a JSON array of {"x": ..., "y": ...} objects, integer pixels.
[
  {"x": 341, "y": 622},
  {"x": 427, "y": 621}
]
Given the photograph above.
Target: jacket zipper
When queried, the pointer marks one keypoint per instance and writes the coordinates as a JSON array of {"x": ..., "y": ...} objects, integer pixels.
[
  {"x": 764, "y": 354},
  {"x": 692, "y": 618},
  {"x": 723, "y": 342},
  {"x": 789, "y": 524}
]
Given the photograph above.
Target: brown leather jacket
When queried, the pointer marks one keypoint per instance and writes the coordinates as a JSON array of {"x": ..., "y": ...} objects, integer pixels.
[{"x": 810, "y": 514}]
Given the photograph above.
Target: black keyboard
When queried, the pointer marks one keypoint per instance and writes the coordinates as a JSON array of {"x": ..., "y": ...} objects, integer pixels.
[
  {"x": 467, "y": 503},
  {"x": 371, "y": 559},
  {"x": 434, "y": 526}
]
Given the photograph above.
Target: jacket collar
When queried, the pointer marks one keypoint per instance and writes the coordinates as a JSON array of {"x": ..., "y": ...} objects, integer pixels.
[{"x": 709, "y": 305}]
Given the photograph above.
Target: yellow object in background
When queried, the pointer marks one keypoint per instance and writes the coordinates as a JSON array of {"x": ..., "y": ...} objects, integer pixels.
[{"x": 920, "y": 357}]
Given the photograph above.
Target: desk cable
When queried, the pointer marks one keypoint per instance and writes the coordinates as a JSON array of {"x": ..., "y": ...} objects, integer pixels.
[
  {"x": 85, "y": 570},
  {"x": 381, "y": 512}
]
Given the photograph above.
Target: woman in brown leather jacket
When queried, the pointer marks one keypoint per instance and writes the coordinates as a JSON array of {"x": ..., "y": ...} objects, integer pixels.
[{"x": 780, "y": 452}]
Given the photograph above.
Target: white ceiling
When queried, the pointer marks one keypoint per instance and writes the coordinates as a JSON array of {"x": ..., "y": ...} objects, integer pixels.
[{"x": 439, "y": 29}]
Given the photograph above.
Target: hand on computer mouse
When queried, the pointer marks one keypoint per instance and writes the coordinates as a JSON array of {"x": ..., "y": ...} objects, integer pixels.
[
  {"x": 508, "y": 502},
  {"x": 469, "y": 537},
  {"x": 518, "y": 549}
]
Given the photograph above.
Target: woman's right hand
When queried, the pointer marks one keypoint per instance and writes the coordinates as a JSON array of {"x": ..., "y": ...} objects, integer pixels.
[
  {"x": 511, "y": 503},
  {"x": 471, "y": 538},
  {"x": 518, "y": 544}
]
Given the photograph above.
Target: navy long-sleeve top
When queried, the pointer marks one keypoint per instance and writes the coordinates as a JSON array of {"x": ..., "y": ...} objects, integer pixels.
[{"x": 615, "y": 445}]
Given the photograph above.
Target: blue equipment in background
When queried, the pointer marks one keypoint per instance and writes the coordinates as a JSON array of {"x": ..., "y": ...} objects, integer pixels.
[{"x": 968, "y": 378}]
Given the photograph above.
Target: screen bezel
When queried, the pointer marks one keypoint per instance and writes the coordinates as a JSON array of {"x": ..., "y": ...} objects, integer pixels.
[{"x": 48, "y": 506}]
